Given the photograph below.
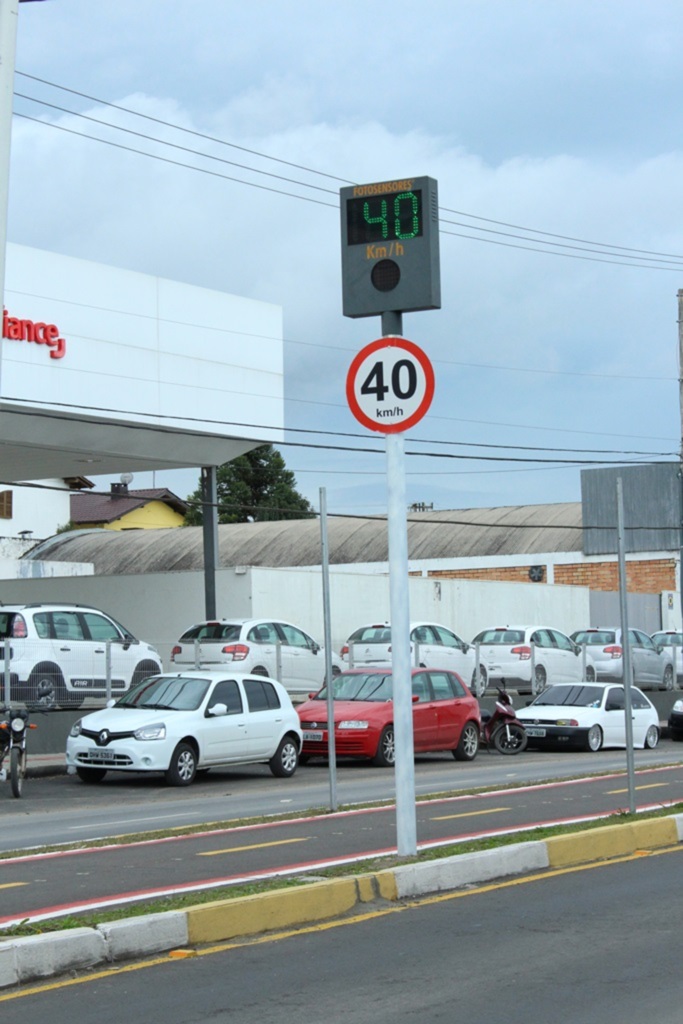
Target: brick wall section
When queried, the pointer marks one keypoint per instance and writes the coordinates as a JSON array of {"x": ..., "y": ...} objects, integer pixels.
[{"x": 642, "y": 577}]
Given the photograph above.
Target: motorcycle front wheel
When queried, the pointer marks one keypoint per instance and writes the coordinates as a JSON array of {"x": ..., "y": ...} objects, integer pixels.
[
  {"x": 16, "y": 767},
  {"x": 510, "y": 739}
]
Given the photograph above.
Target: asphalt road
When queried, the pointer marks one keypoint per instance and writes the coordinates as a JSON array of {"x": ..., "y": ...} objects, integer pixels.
[
  {"x": 40, "y": 886},
  {"x": 592, "y": 945}
]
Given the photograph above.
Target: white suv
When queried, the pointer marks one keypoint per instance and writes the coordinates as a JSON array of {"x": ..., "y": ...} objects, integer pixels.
[
  {"x": 58, "y": 654},
  {"x": 261, "y": 647}
]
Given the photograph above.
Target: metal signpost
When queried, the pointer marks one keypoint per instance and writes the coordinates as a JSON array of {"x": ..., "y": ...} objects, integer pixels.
[{"x": 390, "y": 265}]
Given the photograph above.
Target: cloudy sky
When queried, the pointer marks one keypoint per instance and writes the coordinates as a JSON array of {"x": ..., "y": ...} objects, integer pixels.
[{"x": 554, "y": 129}]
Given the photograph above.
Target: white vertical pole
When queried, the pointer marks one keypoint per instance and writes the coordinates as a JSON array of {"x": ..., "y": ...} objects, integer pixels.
[
  {"x": 406, "y": 825},
  {"x": 9, "y": 18}
]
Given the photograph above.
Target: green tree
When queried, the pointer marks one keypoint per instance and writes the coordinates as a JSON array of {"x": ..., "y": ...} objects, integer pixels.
[{"x": 256, "y": 486}]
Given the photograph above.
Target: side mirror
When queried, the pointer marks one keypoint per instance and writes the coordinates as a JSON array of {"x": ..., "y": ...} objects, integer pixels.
[
  {"x": 315, "y": 648},
  {"x": 217, "y": 710},
  {"x": 415, "y": 698},
  {"x": 465, "y": 648},
  {"x": 613, "y": 706}
]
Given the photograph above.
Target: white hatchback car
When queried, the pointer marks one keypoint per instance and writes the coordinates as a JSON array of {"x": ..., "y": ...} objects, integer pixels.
[
  {"x": 188, "y": 722},
  {"x": 59, "y": 654},
  {"x": 507, "y": 654},
  {"x": 261, "y": 647},
  {"x": 431, "y": 646},
  {"x": 589, "y": 716}
]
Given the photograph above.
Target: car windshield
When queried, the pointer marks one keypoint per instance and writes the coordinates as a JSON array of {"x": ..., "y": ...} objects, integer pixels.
[
  {"x": 213, "y": 631},
  {"x": 668, "y": 639},
  {"x": 173, "y": 693},
  {"x": 500, "y": 636},
  {"x": 592, "y": 636},
  {"x": 360, "y": 686},
  {"x": 579, "y": 696},
  {"x": 371, "y": 635}
]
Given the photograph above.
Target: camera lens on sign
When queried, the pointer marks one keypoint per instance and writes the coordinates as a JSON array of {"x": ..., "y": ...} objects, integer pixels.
[{"x": 385, "y": 275}]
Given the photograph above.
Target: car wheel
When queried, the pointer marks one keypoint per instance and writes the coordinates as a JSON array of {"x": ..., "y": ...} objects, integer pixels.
[
  {"x": 590, "y": 674},
  {"x": 668, "y": 681},
  {"x": 284, "y": 761},
  {"x": 385, "y": 756},
  {"x": 46, "y": 687},
  {"x": 652, "y": 737},
  {"x": 479, "y": 682},
  {"x": 183, "y": 767},
  {"x": 91, "y": 775},
  {"x": 145, "y": 669},
  {"x": 260, "y": 670},
  {"x": 677, "y": 737},
  {"x": 468, "y": 746},
  {"x": 594, "y": 738},
  {"x": 540, "y": 679}
]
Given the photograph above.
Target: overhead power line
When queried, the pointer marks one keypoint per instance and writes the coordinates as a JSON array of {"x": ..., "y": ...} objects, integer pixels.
[{"x": 567, "y": 246}]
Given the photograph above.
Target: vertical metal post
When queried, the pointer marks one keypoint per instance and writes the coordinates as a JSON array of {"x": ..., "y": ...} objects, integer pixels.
[
  {"x": 210, "y": 537},
  {"x": 680, "y": 470},
  {"x": 107, "y": 669},
  {"x": 327, "y": 637},
  {"x": 626, "y": 645},
  {"x": 6, "y": 673},
  {"x": 406, "y": 822},
  {"x": 9, "y": 19}
]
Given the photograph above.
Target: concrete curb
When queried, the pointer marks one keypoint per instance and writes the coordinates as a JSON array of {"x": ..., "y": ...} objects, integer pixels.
[{"x": 42, "y": 956}]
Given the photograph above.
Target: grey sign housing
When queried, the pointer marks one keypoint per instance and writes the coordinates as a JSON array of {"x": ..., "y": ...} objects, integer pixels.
[{"x": 390, "y": 247}]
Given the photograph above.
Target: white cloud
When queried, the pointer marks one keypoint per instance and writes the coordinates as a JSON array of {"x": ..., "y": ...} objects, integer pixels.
[{"x": 489, "y": 98}]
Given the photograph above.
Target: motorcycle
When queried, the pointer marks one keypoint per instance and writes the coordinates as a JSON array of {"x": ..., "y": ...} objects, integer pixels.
[
  {"x": 502, "y": 729},
  {"x": 13, "y": 730}
]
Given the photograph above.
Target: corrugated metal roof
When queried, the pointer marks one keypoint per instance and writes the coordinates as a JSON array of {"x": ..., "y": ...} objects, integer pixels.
[{"x": 512, "y": 530}]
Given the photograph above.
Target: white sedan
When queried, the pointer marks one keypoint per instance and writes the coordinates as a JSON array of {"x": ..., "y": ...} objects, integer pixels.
[
  {"x": 590, "y": 716},
  {"x": 187, "y": 722}
]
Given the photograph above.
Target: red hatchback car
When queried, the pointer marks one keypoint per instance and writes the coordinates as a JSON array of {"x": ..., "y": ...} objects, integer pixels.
[{"x": 445, "y": 716}]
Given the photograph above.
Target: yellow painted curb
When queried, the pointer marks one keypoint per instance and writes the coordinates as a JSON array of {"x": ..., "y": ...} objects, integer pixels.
[
  {"x": 611, "y": 841},
  {"x": 285, "y": 908}
]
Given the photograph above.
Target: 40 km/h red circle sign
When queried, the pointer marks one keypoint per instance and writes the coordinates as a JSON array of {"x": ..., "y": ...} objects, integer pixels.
[{"x": 390, "y": 385}]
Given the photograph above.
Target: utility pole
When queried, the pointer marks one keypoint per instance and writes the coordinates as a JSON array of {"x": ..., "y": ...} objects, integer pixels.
[{"x": 680, "y": 468}]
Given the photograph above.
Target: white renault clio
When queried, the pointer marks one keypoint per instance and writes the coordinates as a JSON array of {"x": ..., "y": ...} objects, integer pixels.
[{"x": 187, "y": 722}]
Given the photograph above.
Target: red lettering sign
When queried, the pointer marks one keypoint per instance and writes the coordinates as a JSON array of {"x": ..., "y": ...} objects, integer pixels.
[{"x": 30, "y": 330}]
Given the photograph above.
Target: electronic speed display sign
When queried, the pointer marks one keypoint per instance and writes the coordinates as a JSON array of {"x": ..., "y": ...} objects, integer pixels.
[
  {"x": 390, "y": 385},
  {"x": 390, "y": 247}
]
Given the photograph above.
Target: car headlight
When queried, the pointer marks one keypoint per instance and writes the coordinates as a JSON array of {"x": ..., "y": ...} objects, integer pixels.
[
  {"x": 76, "y": 728},
  {"x": 678, "y": 706},
  {"x": 151, "y": 732},
  {"x": 353, "y": 725}
]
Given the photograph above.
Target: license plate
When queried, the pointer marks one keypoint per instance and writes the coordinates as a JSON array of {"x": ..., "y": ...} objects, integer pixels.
[
  {"x": 533, "y": 730},
  {"x": 105, "y": 753},
  {"x": 312, "y": 737}
]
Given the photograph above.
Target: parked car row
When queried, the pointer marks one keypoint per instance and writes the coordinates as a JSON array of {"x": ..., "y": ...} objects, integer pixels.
[
  {"x": 59, "y": 655},
  {"x": 179, "y": 724},
  {"x": 525, "y": 657}
]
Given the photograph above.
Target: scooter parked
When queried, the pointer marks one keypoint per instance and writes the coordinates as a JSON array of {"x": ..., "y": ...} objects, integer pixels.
[{"x": 501, "y": 729}]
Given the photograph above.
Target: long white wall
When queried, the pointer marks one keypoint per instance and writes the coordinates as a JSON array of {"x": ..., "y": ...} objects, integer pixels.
[{"x": 158, "y": 607}]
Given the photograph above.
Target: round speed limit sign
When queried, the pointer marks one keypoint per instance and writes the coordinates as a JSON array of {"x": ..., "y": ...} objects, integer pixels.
[{"x": 390, "y": 385}]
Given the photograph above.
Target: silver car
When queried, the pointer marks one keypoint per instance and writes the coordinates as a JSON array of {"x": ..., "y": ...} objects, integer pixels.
[
  {"x": 652, "y": 665},
  {"x": 672, "y": 641}
]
